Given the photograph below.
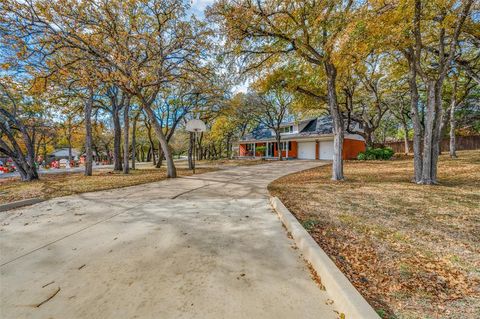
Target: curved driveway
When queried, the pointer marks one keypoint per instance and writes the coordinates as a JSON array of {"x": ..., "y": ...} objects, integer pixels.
[{"x": 207, "y": 246}]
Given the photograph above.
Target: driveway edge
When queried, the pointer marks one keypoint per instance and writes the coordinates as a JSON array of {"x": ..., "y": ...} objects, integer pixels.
[
  {"x": 349, "y": 300},
  {"x": 20, "y": 203}
]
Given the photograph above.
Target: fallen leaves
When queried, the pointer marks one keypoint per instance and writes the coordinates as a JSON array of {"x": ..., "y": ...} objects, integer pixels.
[{"x": 412, "y": 251}]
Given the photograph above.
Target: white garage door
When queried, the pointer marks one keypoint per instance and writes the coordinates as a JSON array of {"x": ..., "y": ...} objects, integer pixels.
[
  {"x": 326, "y": 150},
  {"x": 306, "y": 150}
]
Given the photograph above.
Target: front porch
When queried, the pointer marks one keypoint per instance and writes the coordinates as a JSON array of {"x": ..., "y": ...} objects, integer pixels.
[{"x": 268, "y": 150}]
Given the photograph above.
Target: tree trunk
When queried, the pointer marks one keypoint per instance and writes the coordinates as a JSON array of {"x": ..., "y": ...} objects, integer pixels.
[
  {"x": 134, "y": 141},
  {"x": 453, "y": 124},
  {"x": 191, "y": 145},
  {"x": 151, "y": 152},
  {"x": 126, "y": 127},
  {"x": 117, "y": 139},
  {"x": 171, "y": 170},
  {"x": 160, "y": 158},
  {"x": 279, "y": 146},
  {"x": 69, "y": 138},
  {"x": 69, "y": 151},
  {"x": 338, "y": 129},
  {"x": 107, "y": 152},
  {"x": 95, "y": 147},
  {"x": 27, "y": 172},
  {"x": 88, "y": 134},
  {"x": 45, "y": 155},
  {"x": 417, "y": 125},
  {"x": 368, "y": 137},
  {"x": 199, "y": 151},
  {"x": 431, "y": 135},
  {"x": 405, "y": 138},
  {"x": 437, "y": 137}
]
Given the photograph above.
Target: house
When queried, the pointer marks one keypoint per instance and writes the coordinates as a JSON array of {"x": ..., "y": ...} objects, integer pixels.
[
  {"x": 307, "y": 139},
  {"x": 62, "y": 153}
]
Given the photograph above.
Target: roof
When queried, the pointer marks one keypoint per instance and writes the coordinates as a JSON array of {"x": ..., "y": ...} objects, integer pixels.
[
  {"x": 315, "y": 127},
  {"x": 63, "y": 152},
  {"x": 259, "y": 133}
]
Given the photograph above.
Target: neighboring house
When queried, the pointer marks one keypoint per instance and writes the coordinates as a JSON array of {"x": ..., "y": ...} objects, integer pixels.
[
  {"x": 307, "y": 139},
  {"x": 62, "y": 153}
]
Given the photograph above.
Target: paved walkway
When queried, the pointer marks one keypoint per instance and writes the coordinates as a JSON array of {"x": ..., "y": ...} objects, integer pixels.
[{"x": 207, "y": 246}]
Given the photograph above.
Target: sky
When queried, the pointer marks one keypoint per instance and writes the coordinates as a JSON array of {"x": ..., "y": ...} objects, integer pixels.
[{"x": 198, "y": 6}]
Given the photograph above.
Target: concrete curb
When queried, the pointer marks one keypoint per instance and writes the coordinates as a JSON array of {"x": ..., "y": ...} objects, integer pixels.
[
  {"x": 348, "y": 299},
  {"x": 20, "y": 203}
]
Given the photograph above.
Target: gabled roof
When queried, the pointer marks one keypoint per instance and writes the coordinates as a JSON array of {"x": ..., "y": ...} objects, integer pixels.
[
  {"x": 315, "y": 127},
  {"x": 258, "y": 133}
]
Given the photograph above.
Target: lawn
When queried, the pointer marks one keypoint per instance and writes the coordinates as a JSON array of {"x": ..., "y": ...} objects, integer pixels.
[
  {"x": 413, "y": 251},
  {"x": 55, "y": 185}
]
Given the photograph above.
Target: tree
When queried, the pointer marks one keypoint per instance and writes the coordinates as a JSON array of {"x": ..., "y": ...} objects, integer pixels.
[
  {"x": 16, "y": 116},
  {"x": 265, "y": 31},
  {"x": 271, "y": 108},
  {"x": 116, "y": 102},
  {"x": 364, "y": 93},
  {"x": 427, "y": 34},
  {"x": 433, "y": 70},
  {"x": 461, "y": 88},
  {"x": 138, "y": 46}
]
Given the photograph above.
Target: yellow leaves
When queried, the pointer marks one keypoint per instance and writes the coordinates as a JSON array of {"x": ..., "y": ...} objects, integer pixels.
[
  {"x": 5, "y": 66},
  {"x": 39, "y": 85}
]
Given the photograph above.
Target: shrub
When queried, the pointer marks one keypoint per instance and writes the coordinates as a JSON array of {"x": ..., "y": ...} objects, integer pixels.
[
  {"x": 260, "y": 149},
  {"x": 372, "y": 154}
]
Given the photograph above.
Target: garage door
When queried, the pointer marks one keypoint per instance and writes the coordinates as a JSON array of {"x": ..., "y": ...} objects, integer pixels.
[
  {"x": 306, "y": 150},
  {"x": 326, "y": 150}
]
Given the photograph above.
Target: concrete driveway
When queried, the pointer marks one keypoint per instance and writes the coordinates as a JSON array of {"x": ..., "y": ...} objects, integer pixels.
[{"x": 207, "y": 246}]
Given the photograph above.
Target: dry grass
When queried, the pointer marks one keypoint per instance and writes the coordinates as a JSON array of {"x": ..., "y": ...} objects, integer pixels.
[
  {"x": 56, "y": 185},
  {"x": 413, "y": 251}
]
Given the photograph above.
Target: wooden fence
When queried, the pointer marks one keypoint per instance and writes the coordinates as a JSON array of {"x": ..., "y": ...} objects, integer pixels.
[{"x": 463, "y": 143}]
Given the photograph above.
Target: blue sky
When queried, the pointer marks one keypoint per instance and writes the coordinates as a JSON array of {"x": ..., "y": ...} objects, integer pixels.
[{"x": 198, "y": 6}]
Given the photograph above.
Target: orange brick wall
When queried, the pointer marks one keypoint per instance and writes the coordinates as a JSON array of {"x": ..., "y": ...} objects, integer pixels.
[
  {"x": 351, "y": 148},
  {"x": 291, "y": 153},
  {"x": 243, "y": 149}
]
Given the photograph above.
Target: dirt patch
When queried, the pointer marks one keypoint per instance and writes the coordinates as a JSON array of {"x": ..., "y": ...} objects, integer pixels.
[{"x": 413, "y": 251}]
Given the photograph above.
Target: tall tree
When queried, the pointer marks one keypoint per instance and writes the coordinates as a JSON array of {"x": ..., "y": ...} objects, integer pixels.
[
  {"x": 271, "y": 108},
  {"x": 16, "y": 116},
  {"x": 139, "y": 46},
  {"x": 424, "y": 30},
  {"x": 265, "y": 31}
]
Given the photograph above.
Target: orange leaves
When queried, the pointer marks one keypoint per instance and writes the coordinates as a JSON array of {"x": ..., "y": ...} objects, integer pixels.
[{"x": 410, "y": 253}]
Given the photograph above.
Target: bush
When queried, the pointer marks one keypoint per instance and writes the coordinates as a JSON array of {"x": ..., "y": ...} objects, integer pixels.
[
  {"x": 260, "y": 149},
  {"x": 372, "y": 154}
]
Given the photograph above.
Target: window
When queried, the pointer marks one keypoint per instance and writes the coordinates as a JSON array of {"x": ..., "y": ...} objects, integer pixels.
[
  {"x": 250, "y": 147},
  {"x": 287, "y": 129},
  {"x": 284, "y": 146}
]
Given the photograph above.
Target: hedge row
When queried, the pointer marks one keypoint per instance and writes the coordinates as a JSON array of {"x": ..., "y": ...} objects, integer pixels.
[{"x": 376, "y": 154}]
